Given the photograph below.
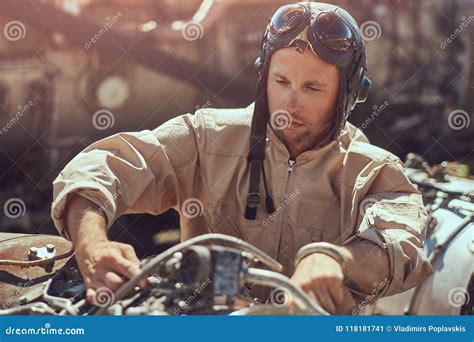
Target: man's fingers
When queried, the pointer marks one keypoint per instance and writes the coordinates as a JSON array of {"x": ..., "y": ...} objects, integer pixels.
[
  {"x": 129, "y": 253},
  {"x": 93, "y": 293},
  {"x": 124, "y": 267},
  {"x": 324, "y": 299},
  {"x": 105, "y": 283},
  {"x": 90, "y": 295},
  {"x": 106, "y": 266},
  {"x": 112, "y": 280},
  {"x": 337, "y": 294},
  {"x": 311, "y": 294}
]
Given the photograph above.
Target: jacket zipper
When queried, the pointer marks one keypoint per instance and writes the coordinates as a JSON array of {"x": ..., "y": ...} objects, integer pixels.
[{"x": 291, "y": 166}]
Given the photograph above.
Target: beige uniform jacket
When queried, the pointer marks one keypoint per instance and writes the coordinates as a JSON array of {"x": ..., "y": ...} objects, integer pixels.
[{"x": 197, "y": 164}]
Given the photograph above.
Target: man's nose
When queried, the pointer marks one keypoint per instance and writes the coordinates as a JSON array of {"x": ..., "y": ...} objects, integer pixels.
[{"x": 292, "y": 101}]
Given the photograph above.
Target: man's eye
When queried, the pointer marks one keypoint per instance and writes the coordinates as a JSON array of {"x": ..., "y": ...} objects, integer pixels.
[
  {"x": 282, "y": 81},
  {"x": 312, "y": 89}
]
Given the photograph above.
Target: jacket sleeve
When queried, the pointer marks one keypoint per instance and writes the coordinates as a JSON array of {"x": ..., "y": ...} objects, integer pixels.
[
  {"x": 136, "y": 172},
  {"x": 392, "y": 215}
]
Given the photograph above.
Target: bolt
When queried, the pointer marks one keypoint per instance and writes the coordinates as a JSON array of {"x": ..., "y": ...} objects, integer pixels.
[
  {"x": 34, "y": 251},
  {"x": 50, "y": 247}
]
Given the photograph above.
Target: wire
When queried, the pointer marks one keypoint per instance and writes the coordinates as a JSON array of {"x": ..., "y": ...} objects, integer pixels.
[
  {"x": 149, "y": 268},
  {"x": 41, "y": 262}
]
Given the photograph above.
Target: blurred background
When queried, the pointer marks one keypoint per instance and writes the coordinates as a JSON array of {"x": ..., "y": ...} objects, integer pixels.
[{"x": 74, "y": 71}]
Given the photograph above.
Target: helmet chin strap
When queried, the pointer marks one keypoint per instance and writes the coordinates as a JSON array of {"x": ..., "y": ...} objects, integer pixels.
[{"x": 256, "y": 154}]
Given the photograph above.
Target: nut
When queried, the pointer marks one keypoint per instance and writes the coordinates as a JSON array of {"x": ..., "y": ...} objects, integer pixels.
[{"x": 50, "y": 247}]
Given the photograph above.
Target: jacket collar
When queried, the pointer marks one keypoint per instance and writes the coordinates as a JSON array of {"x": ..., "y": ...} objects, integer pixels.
[{"x": 276, "y": 146}]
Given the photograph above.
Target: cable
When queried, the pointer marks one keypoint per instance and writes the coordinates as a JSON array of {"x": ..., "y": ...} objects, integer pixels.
[
  {"x": 41, "y": 262},
  {"x": 149, "y": 268}
]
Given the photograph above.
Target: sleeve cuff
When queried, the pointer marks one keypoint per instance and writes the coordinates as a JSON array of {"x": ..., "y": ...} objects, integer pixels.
[
  {"x": 397, "y": 268},
  {"x": 395, "y": 254},
  {"x": 94, "y": 192}
]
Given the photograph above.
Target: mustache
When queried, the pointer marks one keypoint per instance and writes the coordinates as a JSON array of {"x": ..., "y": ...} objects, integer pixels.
[
  {"x": 299, "y": 120},
  {"x": 303, "y": 121}
]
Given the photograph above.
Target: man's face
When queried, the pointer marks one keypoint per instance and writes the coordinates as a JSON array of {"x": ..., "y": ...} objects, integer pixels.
[{"x": 307, "y": 88}]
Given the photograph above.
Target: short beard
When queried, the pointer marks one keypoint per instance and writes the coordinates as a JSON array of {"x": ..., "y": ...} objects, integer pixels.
[{"x": 308, "y": 138}]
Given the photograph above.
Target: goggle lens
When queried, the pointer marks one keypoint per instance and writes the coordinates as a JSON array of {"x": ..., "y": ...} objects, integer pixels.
[
  {"x": 333, "y": 32},
  {"x": 286, "y": 19}
]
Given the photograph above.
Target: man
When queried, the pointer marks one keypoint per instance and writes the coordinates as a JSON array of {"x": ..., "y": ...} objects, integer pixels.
[{"x": 346, "y": 205}]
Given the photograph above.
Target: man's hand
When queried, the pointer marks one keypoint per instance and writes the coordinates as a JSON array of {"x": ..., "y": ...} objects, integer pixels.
[
  {"x": 103, "y": 263},
  {"x": 321, "y": 277},
  {"x": 106, "y": 264}
]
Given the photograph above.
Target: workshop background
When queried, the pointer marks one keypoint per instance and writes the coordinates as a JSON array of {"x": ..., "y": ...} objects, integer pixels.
[{"x": 75, "y": 71}]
